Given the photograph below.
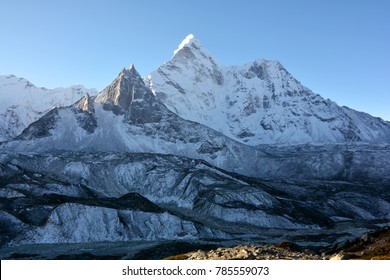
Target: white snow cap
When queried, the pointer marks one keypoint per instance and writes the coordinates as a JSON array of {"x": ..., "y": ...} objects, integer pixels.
[{"x": 188, "y": 40}]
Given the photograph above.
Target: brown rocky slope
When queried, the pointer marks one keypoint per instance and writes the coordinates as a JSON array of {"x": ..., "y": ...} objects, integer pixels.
[{"x": 371, "y": 246}]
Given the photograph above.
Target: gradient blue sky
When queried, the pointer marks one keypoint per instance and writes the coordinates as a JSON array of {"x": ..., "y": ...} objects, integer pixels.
[{"x": 338, "y": 48}]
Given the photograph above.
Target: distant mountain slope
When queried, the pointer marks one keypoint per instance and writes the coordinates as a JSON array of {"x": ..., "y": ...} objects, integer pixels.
[
  {"x": 22, "y": 103},
  {"x": 127, "y": 117},
  {"x": 256, "y": 103}
]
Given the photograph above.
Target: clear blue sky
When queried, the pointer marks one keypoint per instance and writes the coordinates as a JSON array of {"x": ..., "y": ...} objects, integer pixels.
[{"x": 338, "y": 48}]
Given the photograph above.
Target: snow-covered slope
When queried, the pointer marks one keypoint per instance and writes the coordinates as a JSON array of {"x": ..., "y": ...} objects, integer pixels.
[
  {"x": 256, "y": 103},
  {"x": 127, "y": 117},
  {"x": 22, "y": 103}
]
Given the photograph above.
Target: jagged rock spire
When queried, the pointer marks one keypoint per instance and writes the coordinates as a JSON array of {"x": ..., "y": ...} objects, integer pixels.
[
  {"x": 86, "y": 104},
  {"x": 121, "y": 91},
  {"x": 128, "y": 95}
]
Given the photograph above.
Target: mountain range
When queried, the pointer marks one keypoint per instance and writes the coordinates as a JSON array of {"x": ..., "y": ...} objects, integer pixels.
[{"x": 194, "y": 151}]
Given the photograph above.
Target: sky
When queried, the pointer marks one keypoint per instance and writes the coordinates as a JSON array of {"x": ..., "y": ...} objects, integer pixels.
[{"x": 339, "y": 49}]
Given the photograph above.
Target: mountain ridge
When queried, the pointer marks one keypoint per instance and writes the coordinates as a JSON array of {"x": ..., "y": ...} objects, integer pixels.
[
  {"x": 256, "y": 103},
  {"x": 144, "y": 124},
  {"x": 23, "y": 103}
]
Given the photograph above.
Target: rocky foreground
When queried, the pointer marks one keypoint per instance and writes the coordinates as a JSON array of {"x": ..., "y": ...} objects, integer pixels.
[
  {"x": 283, "y": 251},
  {"x": 371, "y": 246}
]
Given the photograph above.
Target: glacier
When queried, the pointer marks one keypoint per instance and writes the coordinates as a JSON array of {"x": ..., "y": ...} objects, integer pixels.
[{"x": 135, "y": 196}]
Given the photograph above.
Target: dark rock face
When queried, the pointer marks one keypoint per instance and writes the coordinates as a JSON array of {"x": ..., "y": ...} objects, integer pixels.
[
  {"x": 46, "y": 123},
  {"x": 86, "y": 104},
  {"x": 258, "y": 70},
  {"x": 351, "y": 133},
  {"x": 87, "y": 121},
  {"x": 120, "y": 92},
  {"x": 209, "y": 148},
  {"x": 85, "y": 114},
  {"x": 245, "y": 133}
]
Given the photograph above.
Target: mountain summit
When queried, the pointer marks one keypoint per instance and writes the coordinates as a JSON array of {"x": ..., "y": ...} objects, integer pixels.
[
  {"x": 190, "y": 39},
  {"x": 128, "y": 95},
  {"x": 256, "y": 103},
  {"x": 191, "y": 49},
  {"x": 124, "y": 90}
]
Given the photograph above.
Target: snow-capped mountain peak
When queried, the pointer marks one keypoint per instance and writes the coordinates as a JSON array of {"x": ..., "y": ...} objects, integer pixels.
[
  {"x": 255, "y": 103},
  {"x": 191, "y": 51},
  {"x": 190, "y": 39}
]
